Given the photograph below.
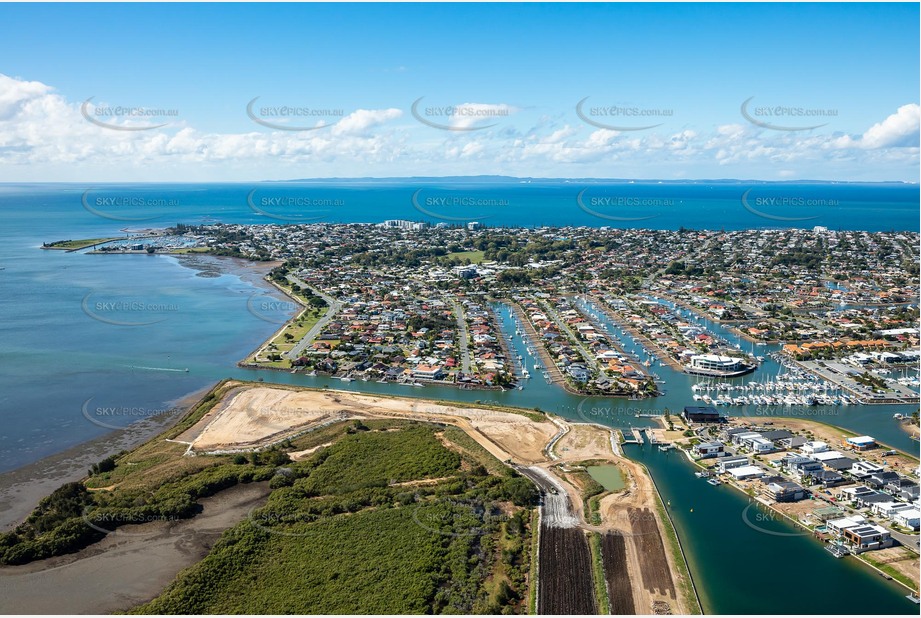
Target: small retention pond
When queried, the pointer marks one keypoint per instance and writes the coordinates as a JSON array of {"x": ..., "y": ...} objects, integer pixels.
[{"x": 609, "y": 477}]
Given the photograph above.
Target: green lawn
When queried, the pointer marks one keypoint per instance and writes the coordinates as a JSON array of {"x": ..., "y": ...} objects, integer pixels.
[
  {"x": 297, "y": 328},
  {"x": 475, "y": 257},
  {"x": 67, "y": 245}
]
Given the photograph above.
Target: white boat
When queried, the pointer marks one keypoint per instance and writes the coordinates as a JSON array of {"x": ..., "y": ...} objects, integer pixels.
[
  {"x": 347, "y": 379},
  {"x": 417, "y": 384},
  {"x": 714, "y": 482}
]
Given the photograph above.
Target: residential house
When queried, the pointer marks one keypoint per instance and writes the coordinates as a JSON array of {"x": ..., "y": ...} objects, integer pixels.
[
  {"x": 812, "y": 447},
  {"x": 784, "y": 491},
  {"x": 864, "y": 469},
  {"x": 709, "y": 449},
  {"x": 910, "y": 518},
  {"x": 866, "y": 537},
  {"x": 728, "y": 463},
  {"x": 879, "y": 480},
  {"x": 741, "y": 473},
  {"x": 791, "y": 442}
]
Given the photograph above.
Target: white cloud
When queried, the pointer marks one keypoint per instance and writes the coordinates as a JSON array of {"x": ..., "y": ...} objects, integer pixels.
[
  {"x": 361, "y": 120},
  {"x": 479, "y": 114},
  {"x": 14, "y": 93},
  {"x": 898, "y": 130},
  {"x": 44, "y": 136}
]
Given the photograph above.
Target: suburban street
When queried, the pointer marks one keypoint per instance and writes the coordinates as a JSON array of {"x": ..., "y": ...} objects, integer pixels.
[
  {"x": 463, "y": 338},
  {"x": 307, "y": 339}
]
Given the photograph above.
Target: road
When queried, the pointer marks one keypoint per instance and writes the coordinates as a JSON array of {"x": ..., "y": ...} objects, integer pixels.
[
  {"x": 555, "y": 509},
  {"x": 908, "y": 540},
  {"x": 462, "y": 336},
  {"x": 307, "y": 339},
  {"x": 590, "y": 361}
]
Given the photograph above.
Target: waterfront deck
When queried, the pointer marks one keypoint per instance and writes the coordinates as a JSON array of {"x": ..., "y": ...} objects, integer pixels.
[
  {"x": 556, "y": 376},
  {"x": 639, "y": 337}
]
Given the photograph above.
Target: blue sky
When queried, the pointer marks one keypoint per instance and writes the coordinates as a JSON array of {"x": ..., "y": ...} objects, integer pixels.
[{"x": 354, "y": 71}]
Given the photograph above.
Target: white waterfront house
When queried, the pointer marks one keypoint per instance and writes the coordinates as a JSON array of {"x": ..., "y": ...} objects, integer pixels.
[
  {"x": 728, "y": 463},
  {"x": 863, "y": 469},
  {"x": 910, "y": 518},
  {"x": 837, "y": 526},
  {"x": 815, "y": 446},
  {"x": 741, "y": 473},
  {"x": 761, "y": 445}
]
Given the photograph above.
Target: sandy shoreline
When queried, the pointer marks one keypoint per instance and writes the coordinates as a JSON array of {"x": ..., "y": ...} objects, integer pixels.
[{"x": 22, "y": 488}]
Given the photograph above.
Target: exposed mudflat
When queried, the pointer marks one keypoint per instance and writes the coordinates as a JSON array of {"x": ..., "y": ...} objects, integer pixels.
[{"x": 130, "y": 566}]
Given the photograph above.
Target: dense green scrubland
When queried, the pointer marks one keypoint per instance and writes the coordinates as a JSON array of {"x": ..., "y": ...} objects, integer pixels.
[
  {"x": 387, "y": 516},
  {"x": 386, "y": 520}
]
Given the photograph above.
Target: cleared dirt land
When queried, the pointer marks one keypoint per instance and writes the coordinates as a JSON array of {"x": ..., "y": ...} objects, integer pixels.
[
  {"x": 565, "y": 573},
  {"x": 616, "y": 574},
  {"x": 654, "y": 567},
  {"x": 253, "y": 417},
  {"x": 901, "y": 559},
  {"x": 583, "y": 442}
]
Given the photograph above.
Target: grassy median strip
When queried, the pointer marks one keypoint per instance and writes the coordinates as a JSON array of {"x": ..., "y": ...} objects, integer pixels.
[
  {"x": 535, "y": 561},
  {"x": 601, "y": 585}
]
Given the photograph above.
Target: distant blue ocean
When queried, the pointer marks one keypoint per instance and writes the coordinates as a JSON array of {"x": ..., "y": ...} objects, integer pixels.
[
  {"x": 531, "y": 203},
  {"x": 56, "y": 361}
]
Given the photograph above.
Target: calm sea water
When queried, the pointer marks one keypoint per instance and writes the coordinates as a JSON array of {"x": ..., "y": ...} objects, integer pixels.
[
  {"x": 744, "y": 560},
  {"x": 60, "y": 363},
  {"x": 872, "y": 207},
  {"x": 196, "y": 313}
]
